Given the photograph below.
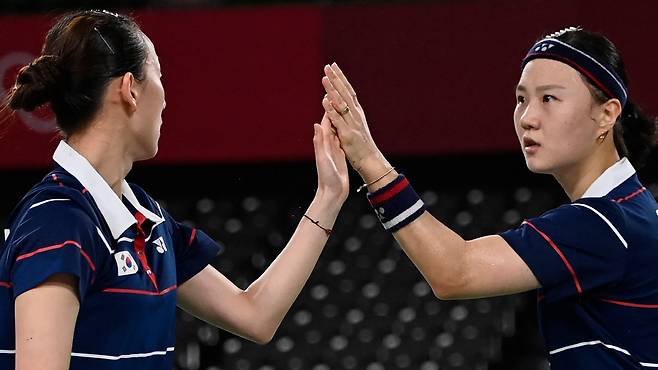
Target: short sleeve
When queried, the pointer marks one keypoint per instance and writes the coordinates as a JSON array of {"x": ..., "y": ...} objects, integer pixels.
[
  {"x": 575, "y": 248},
  {"x": 51, "y": 238},
  {"x": 194, "y": 249}
]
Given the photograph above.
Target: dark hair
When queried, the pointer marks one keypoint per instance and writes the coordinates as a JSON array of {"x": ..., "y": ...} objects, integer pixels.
[
  {"x": 634, "y": 132},
  {"x": 82, "y": 52}
]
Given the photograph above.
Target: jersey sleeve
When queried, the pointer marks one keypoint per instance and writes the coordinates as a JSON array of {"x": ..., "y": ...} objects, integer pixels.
[
  {"x": 574, "y": 249},
  {"x": 50, "y": 238},
  {"x": 194, "y": 249}
]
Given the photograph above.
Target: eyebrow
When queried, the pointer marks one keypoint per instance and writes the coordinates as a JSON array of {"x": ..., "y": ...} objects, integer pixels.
[{"x": 541, "y": 88}]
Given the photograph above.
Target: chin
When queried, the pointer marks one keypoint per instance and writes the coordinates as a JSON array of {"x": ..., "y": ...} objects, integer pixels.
[
  {"x": 537, "y": 167},
  {"x": 148, "y": 154}
]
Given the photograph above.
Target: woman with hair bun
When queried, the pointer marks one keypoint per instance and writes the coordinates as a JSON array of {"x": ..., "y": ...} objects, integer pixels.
[
  {"x": 593, "y": 261},
  {"x": 91, "y": 267}
]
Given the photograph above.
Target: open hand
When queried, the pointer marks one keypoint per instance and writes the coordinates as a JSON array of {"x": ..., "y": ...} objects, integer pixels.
[
  {"x": 333, "y": 179},
  {"x": 349, "y": 120}
]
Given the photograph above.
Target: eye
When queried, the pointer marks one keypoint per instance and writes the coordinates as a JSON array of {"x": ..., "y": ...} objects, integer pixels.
[
  {"x": 548, "y": 98},
  {"x": 520, "y": 99}
]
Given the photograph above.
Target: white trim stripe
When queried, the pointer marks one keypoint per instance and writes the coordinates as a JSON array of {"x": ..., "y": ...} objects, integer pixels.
[
  {"x": 7, "y": 232},
  {"x": 47, "y": 201},
  {"x": 104, "y": 240},
  {"x": 591, "y": 343},
  {"x": 7, "y": 351},
  {"x": 614, "y": 229},
  {"x": 121, "y": 357},
  {"x": 596, "y": 342},
  {"x": 623, "y": 88},
  {"x": 399, "y": 218},
  {"x": 124, "y": 239}
]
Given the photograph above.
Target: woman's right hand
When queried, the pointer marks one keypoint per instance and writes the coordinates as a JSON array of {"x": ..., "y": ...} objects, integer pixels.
[{"x": 349, "y": 120}]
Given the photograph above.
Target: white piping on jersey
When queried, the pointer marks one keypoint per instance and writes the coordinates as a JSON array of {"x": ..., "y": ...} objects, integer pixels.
[
  {"x": 105, "y": 357},
  {"x": 591, "y": 343},
  {"x": 623, "y": 241},
  {"x": 119, "y": 357},
  {"x": 104, "y": 241},
  {"x": 595, "y": 342},
  {"x": 124, "y": 239},
  {"x": 159, "y": 210},
  {"x": 397, "y": 219},
  {"x": 7, "y": 232},
  {"x": 47, "y": 201}
]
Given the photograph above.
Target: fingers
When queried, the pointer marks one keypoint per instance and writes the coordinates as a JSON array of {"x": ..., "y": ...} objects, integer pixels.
[
  {"x": 318, "y": 140},
  {"x": 326, "y": 125},
  {"x": 337, "y": 101},
  {"x": 343, "y": 78},
  {"x": 336, "y": 119},
  {"x": 340, "y": 87}
]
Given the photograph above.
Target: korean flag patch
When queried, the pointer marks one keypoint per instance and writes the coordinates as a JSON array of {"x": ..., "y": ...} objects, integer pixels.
[{"x": 126, "y": 264}]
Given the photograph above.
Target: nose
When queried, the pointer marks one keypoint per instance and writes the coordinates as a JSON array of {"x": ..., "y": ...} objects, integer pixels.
[{"x": 529, "y": 118}]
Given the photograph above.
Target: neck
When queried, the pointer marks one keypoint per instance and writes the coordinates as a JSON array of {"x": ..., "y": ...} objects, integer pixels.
[
  {"x": 576, "y": 179},
  {"x": 105, "y": 153}
]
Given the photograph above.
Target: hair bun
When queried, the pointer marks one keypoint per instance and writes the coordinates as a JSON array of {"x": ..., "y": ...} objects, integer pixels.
[{"x": 36, "y": 83}]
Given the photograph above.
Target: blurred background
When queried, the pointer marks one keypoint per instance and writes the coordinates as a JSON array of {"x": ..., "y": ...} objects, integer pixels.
[{"x": 242, "y": 80}]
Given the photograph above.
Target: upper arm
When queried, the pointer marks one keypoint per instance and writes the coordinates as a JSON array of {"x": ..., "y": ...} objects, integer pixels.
[
  {"x": 210, "y": 296},
  {"x": 45, "y": 323},
  {"x": 573, "y": 249},
  {"x": 493, "y": 268}
]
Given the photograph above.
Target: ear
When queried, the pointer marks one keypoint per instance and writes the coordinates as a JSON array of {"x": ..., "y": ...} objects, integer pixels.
[
  {"x": 608, "y": 114},
  {"x": 129, "y": 91}
]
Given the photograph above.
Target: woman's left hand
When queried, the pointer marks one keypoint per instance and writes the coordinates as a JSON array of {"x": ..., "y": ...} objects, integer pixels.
[{"x": 333, "y": 178}]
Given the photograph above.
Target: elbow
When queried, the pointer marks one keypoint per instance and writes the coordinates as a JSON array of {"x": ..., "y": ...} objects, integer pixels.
[
  {"x": 261, "y": 332},
  {"x": 263, "y": 337},
  {"x": 445, "y": 294},
  {"x": 451, "y": 288}
]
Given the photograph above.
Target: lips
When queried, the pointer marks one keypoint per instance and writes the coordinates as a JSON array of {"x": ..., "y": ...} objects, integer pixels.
[{"x": 528, "y": 142}]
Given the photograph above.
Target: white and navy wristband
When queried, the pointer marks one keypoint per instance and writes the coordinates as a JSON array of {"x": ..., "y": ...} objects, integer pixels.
[{"x": 396, "y": 204}]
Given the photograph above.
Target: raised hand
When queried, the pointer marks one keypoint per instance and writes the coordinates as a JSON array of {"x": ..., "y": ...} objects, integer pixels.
[
  {"x": 347, "y": 117},
  {"x": 333, "y": 179}
]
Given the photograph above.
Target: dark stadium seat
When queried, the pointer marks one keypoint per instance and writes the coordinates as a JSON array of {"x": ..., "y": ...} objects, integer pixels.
[{"x": 365, "y": 306}]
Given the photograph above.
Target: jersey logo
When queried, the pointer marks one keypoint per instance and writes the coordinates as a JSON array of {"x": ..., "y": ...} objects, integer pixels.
[
  {"x": 125, "y": 263},
  {"x": 161, "y": 246}
]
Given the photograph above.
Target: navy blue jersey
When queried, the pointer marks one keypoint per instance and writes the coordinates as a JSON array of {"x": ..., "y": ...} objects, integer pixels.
[
  {"x": 128, "y": 254},
  {"x": 596, "y": 259}
]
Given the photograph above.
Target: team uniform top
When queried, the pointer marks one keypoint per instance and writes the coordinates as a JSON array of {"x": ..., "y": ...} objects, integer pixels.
[
  {"x": 596, "y": 259},
  {"x": 128, "y": 254}
]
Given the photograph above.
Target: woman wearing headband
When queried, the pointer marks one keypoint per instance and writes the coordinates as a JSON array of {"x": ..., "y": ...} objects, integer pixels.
[
  {"x": 592, "y": 261},
  {"x": 92, "y": 267}
]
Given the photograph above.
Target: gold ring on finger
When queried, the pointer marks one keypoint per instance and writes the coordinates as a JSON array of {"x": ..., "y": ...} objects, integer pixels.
[{"x": 345, "y": 111}]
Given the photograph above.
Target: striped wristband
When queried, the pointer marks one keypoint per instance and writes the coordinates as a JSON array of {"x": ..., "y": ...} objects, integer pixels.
[{"x": 396, "y": 204}]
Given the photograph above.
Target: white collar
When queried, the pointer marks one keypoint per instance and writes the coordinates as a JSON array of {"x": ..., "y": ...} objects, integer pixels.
[
  {"x": 115, "y": 213},
  {"x": 610, "y": 179}
]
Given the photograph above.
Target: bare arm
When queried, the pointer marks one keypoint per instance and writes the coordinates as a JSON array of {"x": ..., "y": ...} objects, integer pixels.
[
  {"x": 257, "y": 312},
  {"x": 45, "y": 322},
  {"x": 458, "y": 269},
  {"x": 454, "y": 268}
]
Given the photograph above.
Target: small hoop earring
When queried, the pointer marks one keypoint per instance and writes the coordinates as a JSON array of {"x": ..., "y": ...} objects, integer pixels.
[{"x": 602, "y": 137}]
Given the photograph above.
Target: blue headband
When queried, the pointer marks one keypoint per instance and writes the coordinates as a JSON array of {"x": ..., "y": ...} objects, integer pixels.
[{"x": 602, "y": 77}]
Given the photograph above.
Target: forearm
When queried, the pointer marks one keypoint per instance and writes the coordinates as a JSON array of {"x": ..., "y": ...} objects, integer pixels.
[
  {"x": 438, "y": 252},
  {"x": 278, "y": 287}
]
